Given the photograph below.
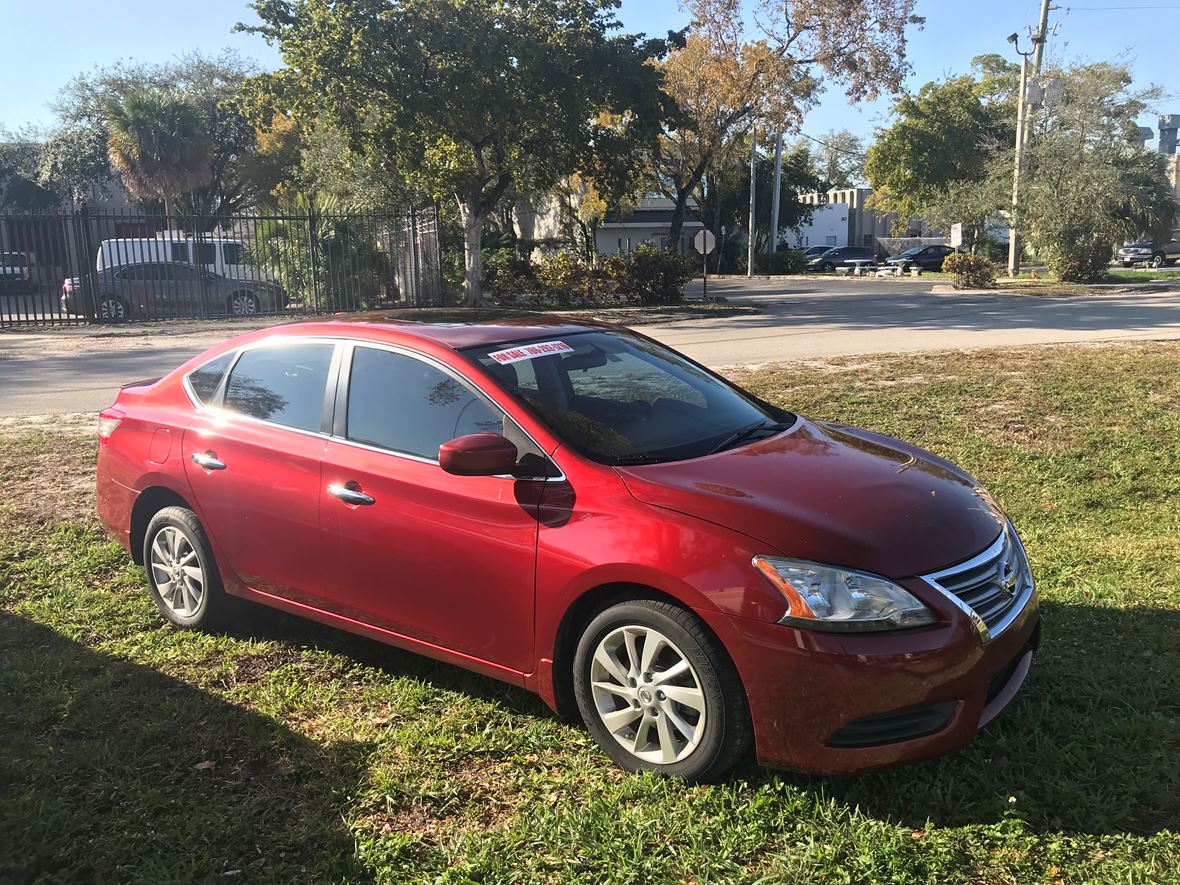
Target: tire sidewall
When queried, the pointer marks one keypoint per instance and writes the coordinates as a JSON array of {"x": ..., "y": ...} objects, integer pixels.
[
  {"x": 186, "y": 522},
  {"x": 702, "y": 760}
]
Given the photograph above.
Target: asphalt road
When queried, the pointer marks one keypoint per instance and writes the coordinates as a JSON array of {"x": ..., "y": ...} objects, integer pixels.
[{"x": 66, "y": 371}]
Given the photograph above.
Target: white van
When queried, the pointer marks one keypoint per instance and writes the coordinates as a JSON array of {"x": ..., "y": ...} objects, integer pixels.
[{"x": 221, "y": 256}]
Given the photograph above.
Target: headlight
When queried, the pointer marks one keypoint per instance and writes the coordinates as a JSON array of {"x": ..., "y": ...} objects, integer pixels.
[{"x": 824, "y": 597}]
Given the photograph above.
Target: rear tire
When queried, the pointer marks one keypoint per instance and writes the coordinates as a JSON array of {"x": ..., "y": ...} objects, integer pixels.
[
  {"x": 181, "y": 572},
  {"x": 659, "y": 693},
  {"x": 242, "y": 304}
]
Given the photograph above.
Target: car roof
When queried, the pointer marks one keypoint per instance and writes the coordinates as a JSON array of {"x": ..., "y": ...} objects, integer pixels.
[{"x": 397, "y": 326}]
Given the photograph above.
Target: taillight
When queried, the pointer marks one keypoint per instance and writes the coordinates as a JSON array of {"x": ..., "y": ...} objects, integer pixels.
[{"x": 108, "y": 423}]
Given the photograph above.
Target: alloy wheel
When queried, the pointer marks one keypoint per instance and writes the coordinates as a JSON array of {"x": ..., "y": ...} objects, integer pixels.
[
  {"x": 647, "y": 694},
  {"x": 176, "y": 571},
  {"x": 112, "y": 310},
  {"x": 243, "y": 304}
]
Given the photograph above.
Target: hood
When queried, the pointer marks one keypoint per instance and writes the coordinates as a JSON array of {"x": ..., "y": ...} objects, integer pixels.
[{"x": 833, "y": 494}]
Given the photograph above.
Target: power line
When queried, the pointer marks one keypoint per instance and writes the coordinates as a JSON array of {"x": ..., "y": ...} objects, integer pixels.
[{"x": 1116, "y": 8}]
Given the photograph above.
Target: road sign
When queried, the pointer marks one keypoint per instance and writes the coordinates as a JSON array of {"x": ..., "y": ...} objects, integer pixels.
[
  {"x": 956, "y": 235},
  {"x": 704, "y": 242}
]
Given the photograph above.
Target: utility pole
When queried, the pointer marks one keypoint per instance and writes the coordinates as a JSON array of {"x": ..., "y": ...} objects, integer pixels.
[
  {"x": 1041, "y": 38},
  {"x": 778, "y": 186},
  {"x": 1013, "y": 240},
  {"x": 753, "y": 173}
]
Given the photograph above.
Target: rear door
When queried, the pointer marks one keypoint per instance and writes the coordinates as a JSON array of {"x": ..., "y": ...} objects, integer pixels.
[
  {"x": 447, "y": 560},
  {"x": 253, "y": 461}
]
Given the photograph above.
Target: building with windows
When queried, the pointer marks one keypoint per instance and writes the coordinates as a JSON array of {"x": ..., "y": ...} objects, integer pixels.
[
  {"x": 649, "y": 222},
  {"x": 842, "y": 218}
]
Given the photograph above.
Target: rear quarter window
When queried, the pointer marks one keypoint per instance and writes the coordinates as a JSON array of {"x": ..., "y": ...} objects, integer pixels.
[{"x": 204, "y": 380}]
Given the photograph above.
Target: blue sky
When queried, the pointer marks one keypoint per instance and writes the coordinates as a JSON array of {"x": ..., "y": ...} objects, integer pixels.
[{"x": 49, "y": 41}]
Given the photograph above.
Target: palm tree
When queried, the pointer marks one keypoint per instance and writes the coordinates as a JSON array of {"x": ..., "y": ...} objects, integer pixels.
[{"x": 157, "y": 145}]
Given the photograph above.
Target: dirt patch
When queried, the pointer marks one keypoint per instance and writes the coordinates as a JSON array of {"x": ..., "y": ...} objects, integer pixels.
[{"x": 48, "y": 476}]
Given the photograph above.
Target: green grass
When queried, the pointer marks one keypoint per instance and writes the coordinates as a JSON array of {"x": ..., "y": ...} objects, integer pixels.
[{"x": 286, "y": 752}]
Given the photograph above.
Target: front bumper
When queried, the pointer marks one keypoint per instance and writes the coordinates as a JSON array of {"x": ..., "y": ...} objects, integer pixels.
[{"x": 817, "y": 698}]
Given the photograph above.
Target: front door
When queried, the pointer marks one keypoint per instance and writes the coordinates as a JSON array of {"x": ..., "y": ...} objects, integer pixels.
[
  {"x": 447, "y": 560},
  {"x": 254, "y": 467}
]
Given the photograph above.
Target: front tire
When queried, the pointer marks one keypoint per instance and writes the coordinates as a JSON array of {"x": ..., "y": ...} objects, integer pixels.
[
  {"x": 1157, "y": 261},
  {"x": 181, "y": 572},
  {"x": 112, "y": 309},
  {"x": 659, "y": 693}
]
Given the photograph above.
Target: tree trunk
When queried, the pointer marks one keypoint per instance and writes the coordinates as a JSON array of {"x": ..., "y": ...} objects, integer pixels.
[
  {"x": 472, "y": 217},
  {"x": 677, "y": 224}
]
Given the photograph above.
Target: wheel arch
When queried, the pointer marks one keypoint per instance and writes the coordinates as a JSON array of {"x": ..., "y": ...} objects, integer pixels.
[
  {"x": 578, "y": 615},
  {"x": 148, "y": 503}
]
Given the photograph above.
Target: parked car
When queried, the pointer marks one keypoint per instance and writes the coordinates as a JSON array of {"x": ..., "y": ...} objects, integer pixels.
[
  {"x": 839, "y": 257},
  {"x": 1154, "y": 254},
  {"x": 17, "y": 276},
  {"x": 815, "y": 251},
  {"x": 166, "y": 289},
  {"x": 925, "y": 257},
  {"x": 580, "y": 511}
]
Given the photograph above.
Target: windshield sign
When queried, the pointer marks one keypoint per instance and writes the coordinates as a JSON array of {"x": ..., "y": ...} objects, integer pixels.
[{"x": 621, "y": 399}]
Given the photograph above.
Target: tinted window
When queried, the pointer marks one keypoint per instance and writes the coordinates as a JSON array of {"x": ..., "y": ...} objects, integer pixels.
[
  {"x": 205, "y": 379},
  {"x": 206, "y": 253},
  {"x": 232, "y": 253},
  {"x": 180, "y": 252},
  {"x": 619, "y": 399},
  {"x": 406, "y": 405},
  {"x": 181, "y": 272},
  {"x": 282, "y": 384}
]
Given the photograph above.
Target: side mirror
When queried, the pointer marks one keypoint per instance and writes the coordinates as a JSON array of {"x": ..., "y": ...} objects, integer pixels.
[{"x": 478, "y": 454}]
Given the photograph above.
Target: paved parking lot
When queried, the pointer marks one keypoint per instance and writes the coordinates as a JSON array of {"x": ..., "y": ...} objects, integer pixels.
[{"x": 79, "y": 370}]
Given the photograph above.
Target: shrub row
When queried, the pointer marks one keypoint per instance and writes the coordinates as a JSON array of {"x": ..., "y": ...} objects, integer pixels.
[{"x": 648, "y": 275}]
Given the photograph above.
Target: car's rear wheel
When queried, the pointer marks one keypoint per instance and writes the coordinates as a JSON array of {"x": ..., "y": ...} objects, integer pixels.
[
  {"x": 243, "y": 304},
  {"x": 112, "y": 309},
  {"x": 181, "y": 571},
  {"x": 659, "y": 693}
]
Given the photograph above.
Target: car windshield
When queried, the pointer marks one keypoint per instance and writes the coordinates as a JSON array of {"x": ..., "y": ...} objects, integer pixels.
[
  {"x": 914, "y": 251},
  {"x": 620, "y": 399}
]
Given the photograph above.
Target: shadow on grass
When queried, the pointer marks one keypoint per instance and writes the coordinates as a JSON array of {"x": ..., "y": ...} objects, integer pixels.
[
  {"x": 1090, "y": 745},
  {"x": 105, "y": 777}
]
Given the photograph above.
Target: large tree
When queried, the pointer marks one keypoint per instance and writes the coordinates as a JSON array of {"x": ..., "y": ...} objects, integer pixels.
[
  {"x": 467, "y": 98},
  {"x": 737, "y": 70},
  {"x": 157, "y": 145},
  {"x": 235, "y": 177}
]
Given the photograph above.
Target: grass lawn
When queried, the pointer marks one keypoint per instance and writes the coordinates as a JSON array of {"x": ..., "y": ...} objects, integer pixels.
[{"x": 285, "y": 752}]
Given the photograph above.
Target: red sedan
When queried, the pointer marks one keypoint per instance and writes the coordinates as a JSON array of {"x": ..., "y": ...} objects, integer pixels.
[{"x": 580, "y": 511}]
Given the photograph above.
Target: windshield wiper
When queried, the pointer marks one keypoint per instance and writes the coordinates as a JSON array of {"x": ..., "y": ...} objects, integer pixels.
[{"x": 745, "y": 433}]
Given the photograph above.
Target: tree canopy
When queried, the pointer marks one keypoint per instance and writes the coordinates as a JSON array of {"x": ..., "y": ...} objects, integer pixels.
[{"x": 466, "y": 98}]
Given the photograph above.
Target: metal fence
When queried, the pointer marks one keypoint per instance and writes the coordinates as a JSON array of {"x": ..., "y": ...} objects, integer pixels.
[{"x": 86, "y": 266}]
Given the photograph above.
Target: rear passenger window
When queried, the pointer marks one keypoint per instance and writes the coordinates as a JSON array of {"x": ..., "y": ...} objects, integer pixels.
[
  {"x": 205, "y": 379},
  {"x": 232, "y": 253},
  {"x": 206, "y": 253},
  {"x": 406, "y": 405},
  {"x": 283, "y": 384}
]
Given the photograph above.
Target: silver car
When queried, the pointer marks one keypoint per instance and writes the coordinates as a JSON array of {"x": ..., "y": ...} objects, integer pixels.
[{"x": 158, "y": 290}]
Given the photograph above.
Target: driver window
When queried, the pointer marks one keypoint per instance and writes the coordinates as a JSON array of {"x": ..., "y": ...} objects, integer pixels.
[{"x": 406, "y": 405}]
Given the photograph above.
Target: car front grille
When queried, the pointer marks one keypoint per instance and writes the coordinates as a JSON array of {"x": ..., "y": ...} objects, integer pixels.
[{"x": 993, "y": 587}]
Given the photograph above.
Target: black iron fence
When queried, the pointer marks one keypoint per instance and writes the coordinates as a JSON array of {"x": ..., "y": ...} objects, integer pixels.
[{"x": 86, "y": 266}]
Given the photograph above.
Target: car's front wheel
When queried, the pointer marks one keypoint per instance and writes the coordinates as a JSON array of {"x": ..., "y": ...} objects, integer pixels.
[
  {"x": 659, "y": 693},
  {"x": 180, "y": 570},
  {"x": 1157, "y": 260},
  {"x": 112, "y": 309}
]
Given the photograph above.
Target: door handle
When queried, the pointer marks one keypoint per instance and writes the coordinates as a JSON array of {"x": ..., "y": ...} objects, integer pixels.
[
  {"x": 349, "y": 495},
  {"x": 208, "y": 460}
]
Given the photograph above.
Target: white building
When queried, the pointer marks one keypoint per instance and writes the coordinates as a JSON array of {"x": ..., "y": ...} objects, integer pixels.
[{"x": 647, "y": 223}]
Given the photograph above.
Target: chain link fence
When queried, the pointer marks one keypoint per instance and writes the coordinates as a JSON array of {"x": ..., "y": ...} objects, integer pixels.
[{"x": 108, "y": 267}]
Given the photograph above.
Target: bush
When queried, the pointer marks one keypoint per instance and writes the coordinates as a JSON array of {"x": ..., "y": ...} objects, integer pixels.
[
  {"x": 565, "y": 277},
  {"x": 507, "y": 274},
  {"x": 1082, "y": 261},
  {"x": 780, "y": 263},
  {"x": 970, "y": 271},
  {"x": 649, "y": 275}
]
